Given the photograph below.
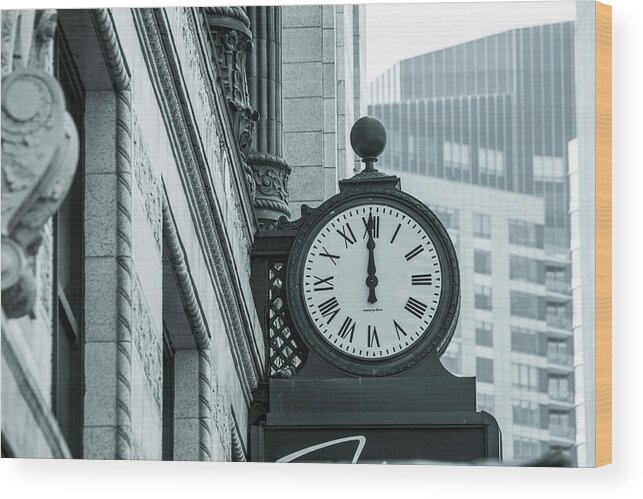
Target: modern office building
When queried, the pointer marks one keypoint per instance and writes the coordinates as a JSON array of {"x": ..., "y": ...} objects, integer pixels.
[{"x": 480, "y": 131}]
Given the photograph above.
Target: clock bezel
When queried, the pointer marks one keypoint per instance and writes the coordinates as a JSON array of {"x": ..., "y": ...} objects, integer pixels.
[{"x": 436, "y": 336}]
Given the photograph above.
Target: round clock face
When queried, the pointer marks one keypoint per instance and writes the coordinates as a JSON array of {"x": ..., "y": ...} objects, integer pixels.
[{"x": 372, "y": 281}]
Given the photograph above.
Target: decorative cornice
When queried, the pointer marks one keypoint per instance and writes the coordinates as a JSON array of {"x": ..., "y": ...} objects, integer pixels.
[
  {"x": 120, "y": 78},
  {"x": 206, "y": 216},
  {"x": 176, "y": 255},
  {"x": 39, "y": 151}
]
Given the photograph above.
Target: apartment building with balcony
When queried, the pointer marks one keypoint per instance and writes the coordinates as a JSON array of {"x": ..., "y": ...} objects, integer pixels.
[{"x": 479, "y": 131}]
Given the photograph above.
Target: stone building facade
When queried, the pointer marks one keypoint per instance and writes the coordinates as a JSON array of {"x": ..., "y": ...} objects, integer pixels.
[{"x": 142, "y": 152}]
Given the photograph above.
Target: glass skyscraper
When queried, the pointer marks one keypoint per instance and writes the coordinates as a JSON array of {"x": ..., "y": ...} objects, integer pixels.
[{"x": 480, "y": 132}]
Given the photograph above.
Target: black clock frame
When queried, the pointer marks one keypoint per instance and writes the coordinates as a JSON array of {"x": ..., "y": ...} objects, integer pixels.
[{"x": 438, "y": 334}]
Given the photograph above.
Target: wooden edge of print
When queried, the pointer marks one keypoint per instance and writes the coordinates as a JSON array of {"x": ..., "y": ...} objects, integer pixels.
[{"x": 603, "y": 234}]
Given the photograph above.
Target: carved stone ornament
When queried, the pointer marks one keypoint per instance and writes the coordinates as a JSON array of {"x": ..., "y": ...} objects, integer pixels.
[
  {"x": 39, "y": 153},
  {"x": 232, "y": 40},
  {"x": 271, "y": 177}
]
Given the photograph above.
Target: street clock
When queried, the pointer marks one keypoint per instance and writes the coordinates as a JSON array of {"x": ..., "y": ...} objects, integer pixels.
[{"x": 372, "y": 277}]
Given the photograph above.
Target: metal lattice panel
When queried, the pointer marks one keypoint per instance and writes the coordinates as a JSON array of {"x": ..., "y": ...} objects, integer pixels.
[{"x": 287, "y": 352}]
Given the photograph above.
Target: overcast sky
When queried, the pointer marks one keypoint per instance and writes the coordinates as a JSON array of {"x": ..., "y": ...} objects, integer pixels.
[{"x": 399, "y": 31}]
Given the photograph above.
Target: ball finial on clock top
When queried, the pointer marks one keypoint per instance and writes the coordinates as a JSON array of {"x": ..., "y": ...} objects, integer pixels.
[{"x": 368, "y": 139}]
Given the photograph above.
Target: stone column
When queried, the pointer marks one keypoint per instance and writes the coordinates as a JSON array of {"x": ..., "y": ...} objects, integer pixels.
[{"x": 269, "y": 168}]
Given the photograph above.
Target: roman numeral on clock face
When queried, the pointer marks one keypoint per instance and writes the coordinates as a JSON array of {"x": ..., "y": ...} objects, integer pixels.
[
  {"x": 324, "y": 283},
  {"x": 398, "y": 330},
  {"x": 348, "y": 327},
  {"x": 415, "y": 307},
  {"x": 421, "y": 279},
  {"x": 347, "y": 234},
  {"x": 326, "y": 254},
  {"x": 395, "y": 233},
  {"x": 376, "y": 227},
  {"x": 329, "y": 308},
  {"x": 414, "y": 252},
  {"x": 372, "y": 337}
]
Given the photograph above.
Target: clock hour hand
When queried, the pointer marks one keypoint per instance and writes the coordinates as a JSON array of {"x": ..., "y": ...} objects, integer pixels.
[{"x": 371, "y": 280}]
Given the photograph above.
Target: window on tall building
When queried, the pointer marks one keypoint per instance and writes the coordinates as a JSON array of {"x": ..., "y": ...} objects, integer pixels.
[
  {"x": 484, "y": 370},
  {"x": 559, "y": 387},
  {"x": 526, "y": 269},
  {"x": 482, "y": 225},
  {"x": 526, "y": 234},
  {"x": 491, "y": 162},
  {"x": 456, "y": 156},
  {"x": 482, "y": 261},
  {"x": 528, "y": 448},
  {"x": 527, "y": 305},
  {"x": 526, "y": 413},
  {"x": 448, "y": 216},
  {"x": 486, "y": 402},
  {"x": 549, "y": 168},
  {"x": 559, "y": 351},
  {"x": 484, "y": 333},
  {"x": 557, "y": 315},
  {"x": 526, "y": 377},
  {"x": 561, "y": 424},
  {"x": 482, "y": 297},
  {"x": 557, "y": 279},
  {"x": 68, "y": 338},
  {"x": 527, "y": 341},
  {"x": 451, "y": 359}
]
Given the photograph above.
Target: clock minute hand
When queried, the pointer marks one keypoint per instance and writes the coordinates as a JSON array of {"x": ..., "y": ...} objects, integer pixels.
[{"x": 371, "y": 280}]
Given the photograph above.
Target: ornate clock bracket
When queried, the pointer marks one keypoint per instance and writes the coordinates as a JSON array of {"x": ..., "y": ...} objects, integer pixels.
[{"x": 39, "y": 150}]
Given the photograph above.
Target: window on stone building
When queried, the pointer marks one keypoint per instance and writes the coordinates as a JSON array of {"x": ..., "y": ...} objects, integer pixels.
[
  {"x": 167, "y": 443},
  {"x": 484, "y": 370},
  {"x": 68, "y": 289},
  {"x": 482, "y": 261}
]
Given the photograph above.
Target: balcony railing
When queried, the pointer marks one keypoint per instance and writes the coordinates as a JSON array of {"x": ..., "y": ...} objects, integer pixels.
[
  {"x": 557, "y": 286},
  {"x": 560, "y": 358},
  {"x": 562, "y": 431},
  {"x": 561, "y": 396},
  {"x": 559, "y": 322}
]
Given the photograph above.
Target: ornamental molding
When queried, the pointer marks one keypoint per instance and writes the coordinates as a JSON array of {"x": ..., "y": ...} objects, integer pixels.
[
  {"x": 148, "y": 184},
  {"x": 40, "y": 148},
  {"x": 147, "y": 340},
  {"x": 271, "y": 178},
  {"x": 206, "y": 215},
  {"x": 120, "y": 79},
  {"x": 185, "y": 283},
  {"x": 231, "y": 41}
]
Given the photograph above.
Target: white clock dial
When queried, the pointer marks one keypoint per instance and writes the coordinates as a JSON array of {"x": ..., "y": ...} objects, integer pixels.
[{"x": 372, "y": 302}]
